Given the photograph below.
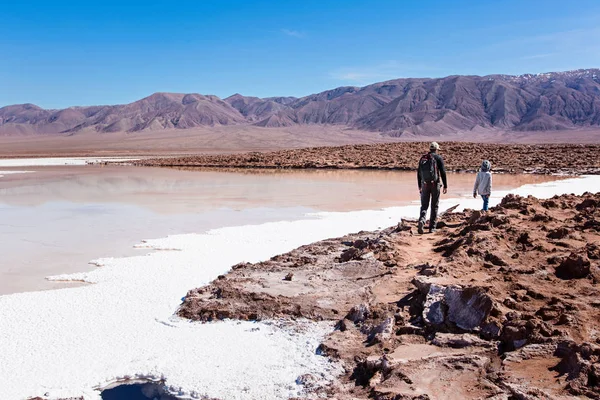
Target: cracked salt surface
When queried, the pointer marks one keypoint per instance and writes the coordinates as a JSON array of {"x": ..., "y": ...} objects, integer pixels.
[{"x": 71, "y": 342}]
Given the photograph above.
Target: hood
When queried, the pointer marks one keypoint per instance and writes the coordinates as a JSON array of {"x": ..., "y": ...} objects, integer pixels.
[{"x": 486, "y": 166}]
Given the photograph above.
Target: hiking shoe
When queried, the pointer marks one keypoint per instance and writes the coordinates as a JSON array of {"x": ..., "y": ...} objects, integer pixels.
[
  {"x": 432, "y": 230},
  {"x": 420, "y": 228}
]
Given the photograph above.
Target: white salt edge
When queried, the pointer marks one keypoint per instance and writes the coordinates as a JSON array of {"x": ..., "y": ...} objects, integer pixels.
[
  {"x": 71, "y": 342},
  {"x": 55, "y": 161},
  {"x": 2, "y": 173}
]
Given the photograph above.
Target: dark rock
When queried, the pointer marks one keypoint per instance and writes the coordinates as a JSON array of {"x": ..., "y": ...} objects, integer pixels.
[
  {"x": 524, "y": 240},
  {"x": 587, "y": 203},
  {"x": 474, "y": 217},
  {"x": 514, "y": 336},
  {"x": 549, "y": 204},
  {"x": 495, "y": 260},
  {"x": 558, "y": 233},
  {"x": 593, "y": 251},
  {"x": 573, "y": 267},
  {"x": 467, "y": 307},
  {"x": 350, "y": 254},
  {"x": 553, "y": 260},
  {"x": 491, "y": 330},
  {"x": 401, "y": 227},
  {"x": 341, "y": 325},
  {"x": 358, "y": 313},
  {"x": 427, "y": 269},
  {"x": 580, "y": 366},
  {"x": 542, "y": 218},
  {"x": 441, "y": 224},
  {"x": 497, "y": 221},
  {"x": 366, "y": 370},
  {"x": 360, "y": 244}
]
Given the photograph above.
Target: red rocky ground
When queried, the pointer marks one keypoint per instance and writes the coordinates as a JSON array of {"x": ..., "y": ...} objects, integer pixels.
[
  {"x": 503, "y": 305},
  {"x": 574, "y": 159}
]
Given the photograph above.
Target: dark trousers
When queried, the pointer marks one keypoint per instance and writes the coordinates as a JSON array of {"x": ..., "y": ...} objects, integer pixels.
[{"x": 430, "y": 191}]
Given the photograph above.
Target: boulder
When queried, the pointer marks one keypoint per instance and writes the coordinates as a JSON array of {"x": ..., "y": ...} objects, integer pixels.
[
  {"x": 573, "y": 267},
  {"x": 465, "y": 308}
]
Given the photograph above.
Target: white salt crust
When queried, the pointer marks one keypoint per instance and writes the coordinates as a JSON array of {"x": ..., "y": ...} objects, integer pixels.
[
  {"x": 72, "y": 342},
  {"x": 54, "y": 161},
  {"x": 2, "y": 173}
]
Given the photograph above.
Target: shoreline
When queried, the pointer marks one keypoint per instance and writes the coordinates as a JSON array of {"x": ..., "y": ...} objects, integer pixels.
[
  {"x": 114, "y": 274},
  {"x": 207, "y": 199}
]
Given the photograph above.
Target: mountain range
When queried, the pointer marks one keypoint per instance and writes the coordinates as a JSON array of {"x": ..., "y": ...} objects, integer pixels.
[{"x": 531, "y": 102}]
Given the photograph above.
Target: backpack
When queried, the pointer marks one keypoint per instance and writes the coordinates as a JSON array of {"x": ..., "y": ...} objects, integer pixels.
[{"x": 428, "y": 168}]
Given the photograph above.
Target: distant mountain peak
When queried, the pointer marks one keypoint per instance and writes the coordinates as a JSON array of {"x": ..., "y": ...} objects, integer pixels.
[{"x": 235, "y": 96}]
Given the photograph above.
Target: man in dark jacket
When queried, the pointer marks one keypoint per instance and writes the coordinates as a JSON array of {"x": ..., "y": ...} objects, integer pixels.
[{"x": 431, "y": 169}]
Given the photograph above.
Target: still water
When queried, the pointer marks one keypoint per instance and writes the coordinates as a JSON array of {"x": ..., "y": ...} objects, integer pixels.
[{"x": 55, "y": 220}]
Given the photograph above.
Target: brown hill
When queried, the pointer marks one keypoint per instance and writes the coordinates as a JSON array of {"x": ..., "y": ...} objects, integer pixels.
[
  {"x": 254, "y": 108},
  {"x": 541, "y": 102},
  {"x": 158, "y": 111}
]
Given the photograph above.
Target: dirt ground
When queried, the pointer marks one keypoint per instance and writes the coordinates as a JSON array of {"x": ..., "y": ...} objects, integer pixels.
[
  {"x": 245, "y": 138},
  {"x": 458, "y": 156},
  {"x": 501, "y": 305},
  {"x": 209, "y": 140}
]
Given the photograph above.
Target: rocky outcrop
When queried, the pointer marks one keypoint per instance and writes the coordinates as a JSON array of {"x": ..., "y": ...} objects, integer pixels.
[{"x": 497, "y": 305}]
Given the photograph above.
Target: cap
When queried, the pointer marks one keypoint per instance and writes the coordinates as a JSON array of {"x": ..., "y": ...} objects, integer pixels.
[{"x": 434, "y": 146}]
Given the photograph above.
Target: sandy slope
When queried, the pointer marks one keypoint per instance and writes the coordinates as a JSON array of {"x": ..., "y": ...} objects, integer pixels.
[{"x": 226, "y": 139}]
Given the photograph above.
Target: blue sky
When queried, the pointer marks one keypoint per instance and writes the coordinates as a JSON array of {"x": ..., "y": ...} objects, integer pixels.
[{"x": 61, "y": 53}]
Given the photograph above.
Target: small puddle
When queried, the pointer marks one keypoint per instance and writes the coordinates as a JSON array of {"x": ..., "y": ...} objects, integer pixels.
[{"x": 137, "y": 391}]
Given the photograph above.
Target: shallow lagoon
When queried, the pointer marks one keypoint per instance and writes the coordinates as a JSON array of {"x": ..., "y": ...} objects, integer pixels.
[{"x": 55, "y": 219}]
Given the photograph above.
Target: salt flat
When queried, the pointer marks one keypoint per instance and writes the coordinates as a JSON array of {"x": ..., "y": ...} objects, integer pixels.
[
  {"x": 3, "y": 173},
  {"x": 48, "y": 161},
  {"x": 70, "y": 342}
]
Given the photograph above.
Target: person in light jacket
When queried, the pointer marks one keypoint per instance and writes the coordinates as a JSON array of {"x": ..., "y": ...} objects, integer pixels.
[{"x": 483, "y": 183}]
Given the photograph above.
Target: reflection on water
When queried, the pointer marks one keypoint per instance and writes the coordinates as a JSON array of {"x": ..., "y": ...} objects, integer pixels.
[
  {"x": 57, "y": 219},
  {"x": 170, "y": 190}
]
